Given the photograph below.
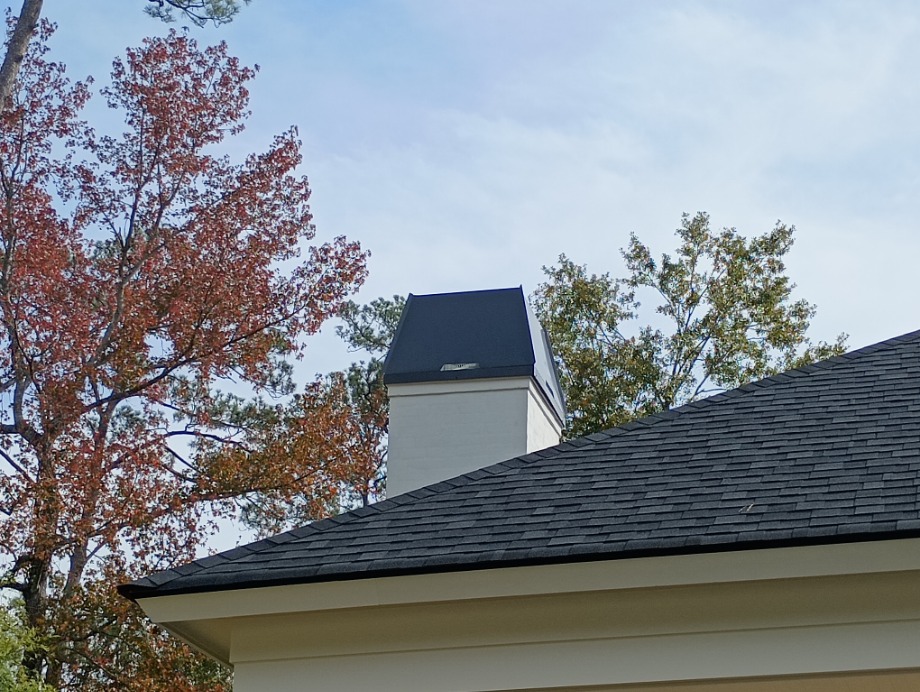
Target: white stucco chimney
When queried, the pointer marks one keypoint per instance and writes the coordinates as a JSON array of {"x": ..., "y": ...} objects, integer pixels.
[{"x": 471, "y": 382}]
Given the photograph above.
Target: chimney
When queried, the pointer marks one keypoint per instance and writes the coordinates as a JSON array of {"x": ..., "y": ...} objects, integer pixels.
[{"x": 472, "y": 382}]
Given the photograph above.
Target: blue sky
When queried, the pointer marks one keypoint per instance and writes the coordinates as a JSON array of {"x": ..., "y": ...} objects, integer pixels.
[{"x": 467, "y": 143}]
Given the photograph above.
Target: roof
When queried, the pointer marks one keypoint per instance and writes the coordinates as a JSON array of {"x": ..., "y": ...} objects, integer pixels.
[
  {"x": 821, "y": 454},
  {"x": 472, "y": 335}
]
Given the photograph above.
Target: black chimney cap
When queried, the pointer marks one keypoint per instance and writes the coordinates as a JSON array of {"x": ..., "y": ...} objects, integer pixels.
[{"x": 470, "y": 336}]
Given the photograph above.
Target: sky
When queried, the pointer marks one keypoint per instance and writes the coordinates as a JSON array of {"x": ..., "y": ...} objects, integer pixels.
[{"x": 468, "y": 143}]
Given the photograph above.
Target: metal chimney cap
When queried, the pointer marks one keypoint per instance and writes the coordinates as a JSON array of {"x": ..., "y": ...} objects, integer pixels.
[{"x": 472, "y": 335}]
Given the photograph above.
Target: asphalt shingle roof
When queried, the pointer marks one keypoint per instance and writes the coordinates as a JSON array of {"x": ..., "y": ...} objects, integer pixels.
[{"x": 825, "y": 453}]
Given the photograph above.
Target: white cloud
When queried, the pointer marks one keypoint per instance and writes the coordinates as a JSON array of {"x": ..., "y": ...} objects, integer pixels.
[{"x": 467, "y": 143}]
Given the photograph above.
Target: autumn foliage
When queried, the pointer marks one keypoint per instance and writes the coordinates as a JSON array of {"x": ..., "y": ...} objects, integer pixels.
[{"x": 139, "y": 272}]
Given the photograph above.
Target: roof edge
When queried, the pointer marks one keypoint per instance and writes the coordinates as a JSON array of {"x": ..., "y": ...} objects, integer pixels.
[{"x": 570, "y": 555}]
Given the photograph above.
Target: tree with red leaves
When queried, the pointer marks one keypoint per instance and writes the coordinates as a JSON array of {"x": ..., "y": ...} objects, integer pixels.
[
  {"x": 139, "y": 272},
  {"x": 354, "y": 409}
]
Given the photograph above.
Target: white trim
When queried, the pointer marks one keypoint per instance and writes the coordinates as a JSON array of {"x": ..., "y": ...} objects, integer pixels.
[
  {"x": 442, "y": 387},
  {"x": 456, "y": 386},
  {"x": 775, "y": 563}
]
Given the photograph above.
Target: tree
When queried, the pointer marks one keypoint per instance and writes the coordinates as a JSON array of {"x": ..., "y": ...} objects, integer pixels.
[
  {"x": 199, "y": 12},
  {"x": 724, "y": 316},
  {"x": 339, "y": 421},
  {"x": 369, "y": 329},
  {"x": 139, "y": 272},
  {"x": 15, "y": 640}
]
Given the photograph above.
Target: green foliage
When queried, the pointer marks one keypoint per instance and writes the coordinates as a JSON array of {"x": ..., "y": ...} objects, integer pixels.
[
  {"x": 370, "y": 327},
  {"x": 200, "y": 12},
  {"x": 15, "y": 639},
  {"x": 130, "y": 653},
  {"x": 724, "y": 316}
]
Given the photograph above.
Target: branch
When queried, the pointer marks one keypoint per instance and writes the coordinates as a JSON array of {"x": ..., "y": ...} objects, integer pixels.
[
  {"x": 207, "y": 10},
  {"x": 700, "y": 389},
  {"x": 208, "y": 436},
  {"x": 15, "y": 585},
  {"x": 19, "y": 469},
  {"x": 126, "y": 269},
  {"x": 185, "y": 358},
  {"x": 182, "y": 460}
]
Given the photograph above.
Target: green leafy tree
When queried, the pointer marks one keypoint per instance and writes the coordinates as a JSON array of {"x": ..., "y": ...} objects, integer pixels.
[
  {"x": 723, "y": 316},
  {"x": 717, "y": 314},
  {"x": 15, "y": 640},
  {"x": 369, "y": 329}
]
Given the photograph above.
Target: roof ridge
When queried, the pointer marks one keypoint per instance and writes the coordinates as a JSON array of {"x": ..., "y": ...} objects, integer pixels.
[{"x": 499, "y": 468}]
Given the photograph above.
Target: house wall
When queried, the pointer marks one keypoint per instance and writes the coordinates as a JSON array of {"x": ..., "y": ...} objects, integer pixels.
[
  {"x": 834, "y": 617},
  {"x": 543, "y": 427},
  {"x": 439, "y": 430},
  {"x": 703, "y": 633}
]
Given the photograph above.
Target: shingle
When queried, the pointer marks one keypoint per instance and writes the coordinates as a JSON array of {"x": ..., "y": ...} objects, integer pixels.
[{"x": 824, "y": 453}]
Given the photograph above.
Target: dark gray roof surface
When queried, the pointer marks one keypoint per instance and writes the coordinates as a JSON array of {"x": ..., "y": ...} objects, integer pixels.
[
  {"x": 472, "y": 335},
  {"x": 825, "y": 453}
]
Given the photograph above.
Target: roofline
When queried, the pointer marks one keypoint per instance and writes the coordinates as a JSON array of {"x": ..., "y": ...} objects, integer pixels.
[
  {"x": 135, "y": 592},
  {"x": 763, "y": 383}
]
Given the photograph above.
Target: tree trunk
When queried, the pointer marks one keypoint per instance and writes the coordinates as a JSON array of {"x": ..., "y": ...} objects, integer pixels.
[
  {"x": 45, "y": 513},
  {"x": 16, "y": 48},
  {"x": 35, "y": 597}
]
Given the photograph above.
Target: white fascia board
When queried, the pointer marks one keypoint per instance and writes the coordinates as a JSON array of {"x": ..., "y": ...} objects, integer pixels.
[{"x": 650, "y": 572}]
